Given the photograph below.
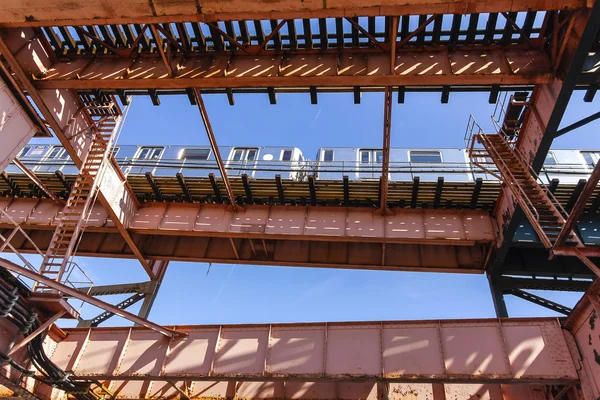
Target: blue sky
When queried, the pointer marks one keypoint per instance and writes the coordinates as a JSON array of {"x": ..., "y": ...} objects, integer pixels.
[{"x": 193, "y": 294}]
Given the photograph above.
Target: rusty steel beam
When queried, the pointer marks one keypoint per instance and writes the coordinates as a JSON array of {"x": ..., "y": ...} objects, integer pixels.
[
  {"x": 336, "y": 237},
  {"x": 31, "y": 175},
  {"x": 214, "y": 146},
  {"x": 441, "y": 351},
  {"x": 20, "y": 13},
  {"x": 577, "y": 209},
  {"x": 385, "y": 162},
  {"x": 85, "y": 298},
  {"x": 516, "y": 65}
]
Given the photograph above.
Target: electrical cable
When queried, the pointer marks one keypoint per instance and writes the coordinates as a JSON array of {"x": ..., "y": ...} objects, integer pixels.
[{"x": 20, "y": 314}]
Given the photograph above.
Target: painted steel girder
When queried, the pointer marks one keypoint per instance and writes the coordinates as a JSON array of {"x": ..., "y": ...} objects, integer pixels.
[
  {"x": 471, "y": 351},
  {"x": 19, "y": 13},
  {"x": 435, "y": 240},
  {"x": 509, "y": 66}
]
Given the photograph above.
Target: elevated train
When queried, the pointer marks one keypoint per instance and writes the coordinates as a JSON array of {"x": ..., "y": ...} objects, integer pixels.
[{"x": 330, "y": 163}]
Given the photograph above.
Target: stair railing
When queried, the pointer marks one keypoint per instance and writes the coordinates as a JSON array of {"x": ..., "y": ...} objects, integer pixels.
[
  {"x": 526, "y": 205},
  {"x": 528, "y": 167}
]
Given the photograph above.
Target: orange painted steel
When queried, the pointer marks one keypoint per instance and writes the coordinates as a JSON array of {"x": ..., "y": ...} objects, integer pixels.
[{"x": 19, "y": 13}]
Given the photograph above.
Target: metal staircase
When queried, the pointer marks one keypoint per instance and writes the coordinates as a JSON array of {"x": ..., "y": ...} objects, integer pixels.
[
  {"x": 106, "y": 117},
  {"x": 541, "y": 208}
]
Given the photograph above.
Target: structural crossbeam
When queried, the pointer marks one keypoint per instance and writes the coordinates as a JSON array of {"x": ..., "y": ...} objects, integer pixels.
[
  {"x": 302, "y": 236},
  {"x": 427, "y": 67},
  {"x": 423, "y": 351}
]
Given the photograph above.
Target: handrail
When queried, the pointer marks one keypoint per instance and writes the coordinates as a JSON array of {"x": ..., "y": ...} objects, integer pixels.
[
  {"x": 514, "y": 183},
  {"x": 522, "y": 160}
]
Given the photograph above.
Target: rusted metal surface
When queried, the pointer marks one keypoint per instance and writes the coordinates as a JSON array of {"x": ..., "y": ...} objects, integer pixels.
[{"x": 30, "y": 13}]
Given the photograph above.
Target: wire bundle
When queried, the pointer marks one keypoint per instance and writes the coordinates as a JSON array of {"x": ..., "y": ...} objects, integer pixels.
[{"x": 19, "y": 313}]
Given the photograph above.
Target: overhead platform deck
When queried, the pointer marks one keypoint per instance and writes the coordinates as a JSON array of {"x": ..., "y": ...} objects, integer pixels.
[
  {"x": 479, "y": 195},
  {"x": 306, "y": 46}
]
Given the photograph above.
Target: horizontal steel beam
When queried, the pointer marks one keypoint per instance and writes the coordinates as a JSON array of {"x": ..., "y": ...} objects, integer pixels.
[
  {"x": 564, "y": 285},
  {"x": 329, "y": 224},
  {"x": 19, "y": 13},
  {"x": 339, "y": 237},
  {"x": 515, "y": 65},
  {"x": 475, "y": 351}
]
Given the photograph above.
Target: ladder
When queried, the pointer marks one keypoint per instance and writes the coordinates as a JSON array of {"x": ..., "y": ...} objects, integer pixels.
[
  {"x": 106, "y": 117},
  {"x": 541, "y": 208}
]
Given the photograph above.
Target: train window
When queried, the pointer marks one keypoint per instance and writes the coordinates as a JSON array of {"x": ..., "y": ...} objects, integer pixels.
[
  {"x": 590, "y": 157},
  {"x": 58, "y": 152},
  {"x": 196, "y": 154},
  {"x": 244, "y": 154},
  {"x": 328, "y": 155},
  {"x": 286, "y": 155},
  {"x": 115, "y": 151},
  {"x": 379, "y": 156},
  {"x": 425, "y": 156},
  {"x": 237, "y": 155},
  {"x": 150, "y": 153},
  {"x": 24, "y": 151},
  {"x": 365, "y": 156},
  {"x": 550, "y": 160}
]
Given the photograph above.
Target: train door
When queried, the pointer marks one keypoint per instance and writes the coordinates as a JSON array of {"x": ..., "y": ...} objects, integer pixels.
[
  {"x": 146, "y": 160},
  {"x": 369, "y": 164},
  {"x": 242, "y": 160},
  {"x": 56, "y": 159},
  {"x": 326, "y": 165}
]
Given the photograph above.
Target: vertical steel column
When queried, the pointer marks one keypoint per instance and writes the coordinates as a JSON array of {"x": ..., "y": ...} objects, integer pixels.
[
  {"x": 213, "y": 145},
  {"x": 495, "y": 282},
  {"x": 385, "y": 162}
]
